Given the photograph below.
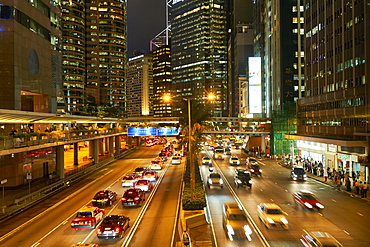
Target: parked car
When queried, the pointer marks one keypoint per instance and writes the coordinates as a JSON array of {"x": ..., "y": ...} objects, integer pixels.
[
  {"x": 113, "y": 226},
  {"x": 104, "y": 198},
  {"x": 214, "y": 179},
  {"x": 307, "y": 200},
  {"x": 133, "y": 197},
  {"x": 235, "y": 222},
  {"x": 272, "y": 215},
  {"x": 87, "y": 217}
]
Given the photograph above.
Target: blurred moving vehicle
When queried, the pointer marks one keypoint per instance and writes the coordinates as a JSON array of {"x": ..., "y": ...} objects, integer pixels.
[
  {"x": 87, "y": 217},
  {"x": 176, "y": 160},
  {"x": 218, "y": 153},
  {"x": 227, "y": 151},
  {"x": 243, "y": 178},
  {"x": 298, "y": 173},
  {"x": 251, "y": 161},
  {"x": 144, "y": 185},
  {"x": 129, "y": 180},
  {"x": 133, "y": 197},
  {"x": 139, "y": 171},
  {"x": 150, "y": 175},
  {"x": 319, "y": 239},
  {"x": 272, "y": 215},
  {"x": 214, "y": 179},
  {"x": 206, "y": 161},
  {"x": 113, "y": 226},
  {"x": 104, "y": 198},
  {"x": 235, "y": 222},
  {"x": 234, "y": 161},
  {"x": 255, "y": 169},
  {"x": 307, "y": 200}
]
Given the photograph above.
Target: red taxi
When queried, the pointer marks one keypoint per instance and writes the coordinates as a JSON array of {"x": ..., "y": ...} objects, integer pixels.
[{"x": 87, "y": 217}]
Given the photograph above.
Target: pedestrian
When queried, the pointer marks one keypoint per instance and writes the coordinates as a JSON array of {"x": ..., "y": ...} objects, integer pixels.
[
  {"x": 339, "y": 184},
  {"x": 326, "y": 174},
  {"x": 360, "y": 188},
  {"x": 357, "y": 186},
  {"x": 13, "y": 132},
  {"x": 348, "y": 184},
  {"x": 365, "y": 188}
]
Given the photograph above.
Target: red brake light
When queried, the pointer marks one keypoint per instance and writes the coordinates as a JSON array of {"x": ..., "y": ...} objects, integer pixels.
[
  {"x": 130, "y": 192},
  {"x": 137, "y": 198},
  {"x": 106, "y": 199},
  {"x": 117, "y": 230},
  {"x": 98, "y": 230},
  {"x": 93, "y": 200},
  {"x": 123, "y": 199}
]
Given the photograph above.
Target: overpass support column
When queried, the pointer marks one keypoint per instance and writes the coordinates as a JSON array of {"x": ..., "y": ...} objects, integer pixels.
[
  {"x": 91, "y": 149},
  {"x": 118, "y": 144},
  {"x": 59, "y": 153},
  {"x": 263, "y": 145},
  {"x": 95, "y": 150},
  {"x": 101, "y": 146},
  {"x": 75, "y": 154},
  {"x": 111, "y": 146},
  {"x": 129, "y": 141}
]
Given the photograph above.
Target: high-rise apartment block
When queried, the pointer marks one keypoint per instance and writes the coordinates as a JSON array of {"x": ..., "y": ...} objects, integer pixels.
[
  {"x": 199, "y": 52},
  {"x": 140, "y": 86}
]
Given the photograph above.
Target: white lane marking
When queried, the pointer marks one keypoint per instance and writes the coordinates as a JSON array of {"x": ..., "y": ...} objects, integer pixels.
[
  {"x": 360, "y": 214},
  {"x": 51, "y": 208},
  {"x": 346, "y": 232},
  {"x": 333, "y": 200}
]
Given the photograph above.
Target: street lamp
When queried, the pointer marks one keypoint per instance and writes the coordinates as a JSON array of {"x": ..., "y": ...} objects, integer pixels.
[{"x": 210, "y": 97}]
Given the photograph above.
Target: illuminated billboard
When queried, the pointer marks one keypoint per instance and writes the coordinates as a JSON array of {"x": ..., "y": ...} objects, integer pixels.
[
  {"x": 255, "y": 85},
  {"x": 149, "y": 131}
]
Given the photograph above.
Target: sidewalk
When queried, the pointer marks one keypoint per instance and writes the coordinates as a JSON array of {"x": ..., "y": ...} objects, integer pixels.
[{"x": 330, "y": 182}]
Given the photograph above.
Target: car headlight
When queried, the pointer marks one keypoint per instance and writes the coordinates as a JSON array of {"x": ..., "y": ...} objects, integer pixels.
[
  {"x": 294, "y": 175},
  {"x": 285, "y": 221},
  {"x": 239, "y": 182},
  {"x": 270, "y": 220},
  {"x": 230, "y": 229},
  {"x": 210, "y": 181},
  {"x": 304, "y": 175},
  {"x": 319, "y": 205},
  {"x": 247, "y": 229},
  {"x": 221, "y": 181},
  {"x": 250, "y": 181},
  {"x": 308, "y": 205}
]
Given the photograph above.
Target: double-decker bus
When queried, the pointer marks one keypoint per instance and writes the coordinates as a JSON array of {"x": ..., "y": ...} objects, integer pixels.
[{"x": 218, "y": 153}]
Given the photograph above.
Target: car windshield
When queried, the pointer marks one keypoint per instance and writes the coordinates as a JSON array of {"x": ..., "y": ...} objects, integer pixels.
[
  {"x": 84, "y": 214},
  {"x": 206, "y": 158},
  {"x": 234, "y": 158},
  {"x": 175, "y": 157},
  {"x": 244, "y": 176},
  {"x": 128, "y": 178},
  {"x": 255, "y": 166},
  {"x": 299, "y": 171},
  {"x": 308, "y": 197},
  {"x": 274, "y": 211},
  {"x": 214, "y": 176},
  {"x": 236, "y": 217},
  {"x": 252, "y": 160}
]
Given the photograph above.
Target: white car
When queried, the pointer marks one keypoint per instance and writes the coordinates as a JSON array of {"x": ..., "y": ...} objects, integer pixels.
[
  {"x": 272, "y": 215},
  {"x": 214, "y": 179},
  {"x": 234, "y": 161},
  {"x": 155, "y": 165},
  {"x": 176, "y": 160},
  {"x": 129, "y": 180}
]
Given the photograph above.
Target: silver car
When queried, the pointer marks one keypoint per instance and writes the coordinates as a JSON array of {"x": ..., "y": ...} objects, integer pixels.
[{"x": 214, "y": 179}]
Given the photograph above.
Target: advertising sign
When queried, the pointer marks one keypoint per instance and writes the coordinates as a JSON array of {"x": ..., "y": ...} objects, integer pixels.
[
  {"x": 150, "y": 131},
  {"x": 255, "y": 87}
]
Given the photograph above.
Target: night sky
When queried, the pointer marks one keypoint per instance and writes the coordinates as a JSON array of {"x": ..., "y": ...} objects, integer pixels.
[{"x": 145, "y": 19}]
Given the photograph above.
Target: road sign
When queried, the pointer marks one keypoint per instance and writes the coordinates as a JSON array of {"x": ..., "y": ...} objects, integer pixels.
[
  {"x": 4, "y": 181},
  {"x": 29, "y": 176}
]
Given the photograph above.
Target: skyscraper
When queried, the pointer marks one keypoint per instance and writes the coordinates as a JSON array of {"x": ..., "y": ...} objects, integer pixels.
[
  {"x": 199, "y": 52},
  {"x": 30, "y": 58},
  {"x": 94, "y": 52},
  {"x": 333, "y": 117},
  {"x": 140, "y": 86}
]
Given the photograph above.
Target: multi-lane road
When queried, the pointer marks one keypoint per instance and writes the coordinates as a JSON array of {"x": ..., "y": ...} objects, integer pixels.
[{"x": 155, "y": 223}]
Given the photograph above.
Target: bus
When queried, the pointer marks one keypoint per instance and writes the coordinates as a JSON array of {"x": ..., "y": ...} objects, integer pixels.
[{"x": 218, "y": 153}]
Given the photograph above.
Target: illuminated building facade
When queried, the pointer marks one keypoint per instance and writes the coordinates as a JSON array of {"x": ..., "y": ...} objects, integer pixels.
[
  {"x": 94, "y": 53},
  {"x": 30, "y": 57},
  {"x": 140, "y": 86},
  {"x": 162, "y": 81},
  {"x": 199, "y": 52},
  {"x": 334, "y": 114}
]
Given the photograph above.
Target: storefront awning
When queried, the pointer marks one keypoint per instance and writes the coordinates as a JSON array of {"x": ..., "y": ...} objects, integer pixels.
[{"x": 343, "y": 143}]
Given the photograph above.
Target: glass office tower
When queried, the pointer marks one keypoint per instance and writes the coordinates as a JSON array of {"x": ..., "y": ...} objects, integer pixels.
[{"x": 199, "y": 52}]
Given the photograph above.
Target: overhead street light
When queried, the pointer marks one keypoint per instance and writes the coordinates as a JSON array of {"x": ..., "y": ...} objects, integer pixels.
[{"x": 210, "y": 97}]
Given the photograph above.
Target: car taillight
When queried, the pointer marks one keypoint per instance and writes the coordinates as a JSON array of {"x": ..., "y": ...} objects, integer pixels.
[
  {"x": 106, "y": 199},
  {"x": 93, "y": 200},
  {"x": 123, "y": 199},
  {"x": 117, "y": 230},
  {"x": 98, "y": 231},
  {"x": 137, "y": 198}
]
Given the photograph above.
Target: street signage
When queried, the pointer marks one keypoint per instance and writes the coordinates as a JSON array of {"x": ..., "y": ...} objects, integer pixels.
[{"x": 4, "y": 181}]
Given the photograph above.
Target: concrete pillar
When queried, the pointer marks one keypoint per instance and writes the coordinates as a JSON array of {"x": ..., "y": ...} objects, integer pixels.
[
  {"x": 59, "y": 153},
  {"x": 100, "y": 146},
  {"x": 95, "y": 150},
  {"x": 129, "y": 141},
  {"x": 263, "y": 144},
  {"x": 75, "y": 154},
  {"x": 91, "y": 149},
  {"x": 118, "y": 145},
  {"x": 111, "y": 146}
]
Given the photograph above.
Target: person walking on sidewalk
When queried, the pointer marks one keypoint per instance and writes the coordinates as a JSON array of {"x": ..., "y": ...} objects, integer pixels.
[
  {"x": 326, "y": 174},
  {"x": 339, "y": 184},
  {"x": 357, "y": 186},
  {"x": 348, "y": 184},
  {"x": 365, "y": 188}
]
